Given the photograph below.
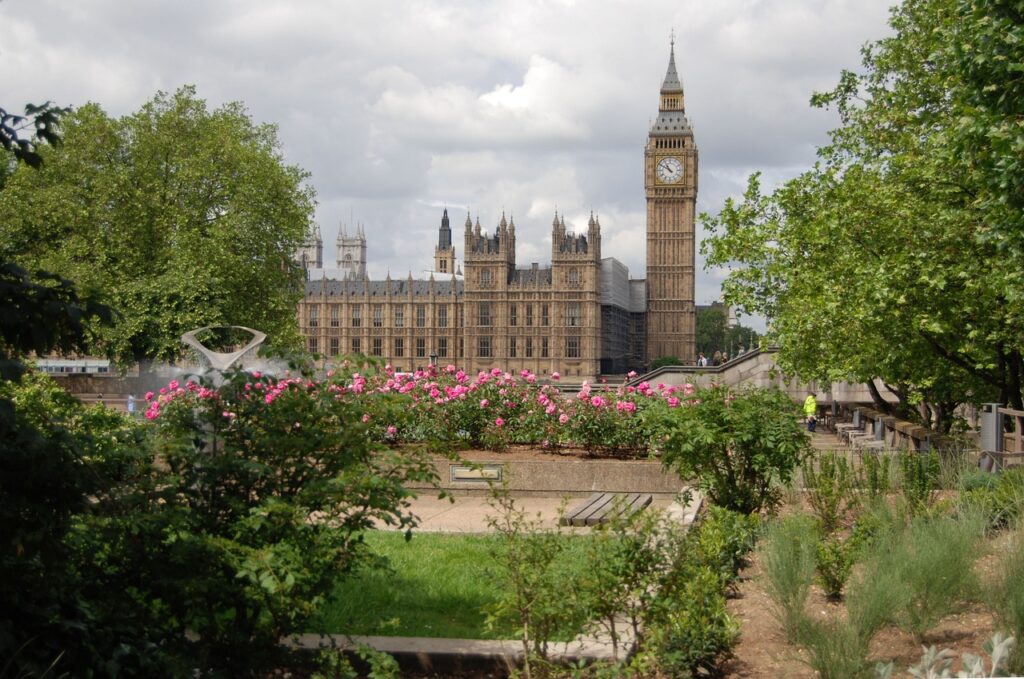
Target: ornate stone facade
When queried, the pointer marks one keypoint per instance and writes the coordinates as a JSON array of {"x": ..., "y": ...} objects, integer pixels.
[
  {"x": 670, "y": 182},
  {"x": 580, "y": 316}
]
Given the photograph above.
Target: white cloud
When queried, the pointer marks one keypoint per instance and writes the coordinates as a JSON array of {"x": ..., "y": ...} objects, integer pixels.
[{"x": 400, "y": 108}]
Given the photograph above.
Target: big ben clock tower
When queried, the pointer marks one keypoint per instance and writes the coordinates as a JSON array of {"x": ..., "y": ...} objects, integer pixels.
[{"x": 670, "y": 181}]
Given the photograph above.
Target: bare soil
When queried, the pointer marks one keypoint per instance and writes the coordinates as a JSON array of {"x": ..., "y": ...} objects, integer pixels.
[{"x": 763, "y": 650}]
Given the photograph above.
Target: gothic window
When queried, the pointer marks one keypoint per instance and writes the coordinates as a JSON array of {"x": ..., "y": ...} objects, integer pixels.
[
  {"x": 485, "y": 313},
  {"x": 512, "y": 315},
  {"x": 442, "y": 347},
  {"x": 421, "y": 347},
  {"x": 399, "y": 317},
  {"x": 572, "y": 314},
  {"x": 421, "y": 316},
  {"x": 314, "y": 316},
  {"x": 442, "y": 316},
  {"x": 572, "y": 347},
  {"x": 484, "y": 346},
  {"x": 378, "y": 317},
  {"x": 444, "y": 266},
  {"x": 574, "y": 278},
  {"x": 543, "y": 347},
  {"x": 335, "y": 346},
  {"x": 356, "y": 346},
  {"x": 529, "y": 314},
  {"x": 485, "y": 277},
  {"x": 512, "y": 347},
  {"x": 357, "y": 316},
  {"x": 544, "y": 314},
  {"x": 529, "y": 347},
  {"x": 399, "y": 347},
  {"x": 313, "y": 345},
  {"x": 335, "y": 315},
  {"x": 378, "y": 346}
]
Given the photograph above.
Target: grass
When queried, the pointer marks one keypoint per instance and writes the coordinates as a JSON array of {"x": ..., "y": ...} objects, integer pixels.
[
  {"x": 436, "y": 585},
  {"x": 787, "y": 553}
]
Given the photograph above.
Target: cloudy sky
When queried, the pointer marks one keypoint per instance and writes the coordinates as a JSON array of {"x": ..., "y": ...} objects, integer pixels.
[{"x": 398, "y": 108}]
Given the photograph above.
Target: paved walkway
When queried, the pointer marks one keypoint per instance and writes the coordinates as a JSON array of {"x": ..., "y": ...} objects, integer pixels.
[{"x": 469, "y": 513}]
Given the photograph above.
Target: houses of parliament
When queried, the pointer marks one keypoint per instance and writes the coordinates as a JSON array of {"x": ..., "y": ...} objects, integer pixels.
[{"x": 581, "y": 315}]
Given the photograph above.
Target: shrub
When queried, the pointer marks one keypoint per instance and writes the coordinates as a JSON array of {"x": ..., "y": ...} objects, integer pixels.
[
  {"x": 722, "y": 541},
  {"x": 787, "y": 556},
  {"x": 1006, "y": 598},
  {"x": 735, "y": 444},
  {"x": 540, "y": 597},
  {"x": 270, "y": 484},
  {"x": 695, "y": 631},
  {"x": 830, "y": 490},
  {"x": 835, "y": 649},
  {"x": 919, "y": 479},
  {"x": 936, "y": 664},
  {"x": 833, "y": 561},
  {"x": 1001, "y": 499},
  {"x": 876, "y": 474},
  {"x": 924, "y": 572}
]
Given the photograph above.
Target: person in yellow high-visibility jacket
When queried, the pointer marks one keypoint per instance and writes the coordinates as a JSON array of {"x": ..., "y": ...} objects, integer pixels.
[{"x": 811, "y": 411}]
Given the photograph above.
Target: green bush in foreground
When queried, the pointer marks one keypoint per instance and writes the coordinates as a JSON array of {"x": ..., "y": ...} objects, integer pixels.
[
  {"x": 735, "y": 445},
  {"x": 667, "y": 582}
]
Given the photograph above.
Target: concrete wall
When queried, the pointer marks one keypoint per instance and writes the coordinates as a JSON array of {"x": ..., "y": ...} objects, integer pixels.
[
  {"x": 568, "y": 477},
  {"x": 758, "y": 368}
]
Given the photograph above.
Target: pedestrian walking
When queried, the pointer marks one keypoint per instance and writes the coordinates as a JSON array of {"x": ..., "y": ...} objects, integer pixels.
[{"x": 811, "y": 412}]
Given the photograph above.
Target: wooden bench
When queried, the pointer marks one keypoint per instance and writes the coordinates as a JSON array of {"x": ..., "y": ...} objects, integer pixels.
[{"x": 601, "y": 507}]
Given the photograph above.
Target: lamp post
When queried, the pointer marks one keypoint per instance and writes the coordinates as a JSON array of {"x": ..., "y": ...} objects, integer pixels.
[{"x": 433, "y": 359}]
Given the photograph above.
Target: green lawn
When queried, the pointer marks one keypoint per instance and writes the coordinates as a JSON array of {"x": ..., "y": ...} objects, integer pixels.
[{"x": 438, "y": 586}]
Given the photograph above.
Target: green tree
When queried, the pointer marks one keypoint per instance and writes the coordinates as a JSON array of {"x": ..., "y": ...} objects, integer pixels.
[
  {"x": 881, "y": 261},
  {"x": 44, "y": 123},
  {"x": 181, "y": 215},
  {"x": 711, "y": 330},
  {"x": 714, "y": 333}
]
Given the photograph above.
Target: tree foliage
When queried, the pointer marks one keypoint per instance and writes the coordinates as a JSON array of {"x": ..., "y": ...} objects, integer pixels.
[
  {"x": 182, "y": 215},
  {"x": 897, "y": 256},
  {"x": 735, "y": 445},
  {"x": 42, "y": 120},
  {"x": 714, "y": 333}
]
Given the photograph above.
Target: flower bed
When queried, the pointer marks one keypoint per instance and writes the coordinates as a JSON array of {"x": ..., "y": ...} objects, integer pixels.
[{"x": 491, "y": 410}]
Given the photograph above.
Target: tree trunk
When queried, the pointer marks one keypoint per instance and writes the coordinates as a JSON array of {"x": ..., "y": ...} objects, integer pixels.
[
  {"x": 1014, "y": 387},
  {"x": 880, "y": 403}
]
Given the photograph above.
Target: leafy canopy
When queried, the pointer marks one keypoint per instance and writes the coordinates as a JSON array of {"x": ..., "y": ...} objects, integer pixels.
[
  {"x": 183, "y": 216},
  {"x": 897, "y": 256}
]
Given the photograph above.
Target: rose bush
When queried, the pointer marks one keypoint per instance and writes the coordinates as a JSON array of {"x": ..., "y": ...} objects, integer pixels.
[{"x": 450, "y": 408}]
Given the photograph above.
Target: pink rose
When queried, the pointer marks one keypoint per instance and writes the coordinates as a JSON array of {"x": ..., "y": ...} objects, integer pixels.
[
  {"x": 555, "y": 376},
  {"x": 499, "y": 422},
  {"x": 563, "y": 418}
]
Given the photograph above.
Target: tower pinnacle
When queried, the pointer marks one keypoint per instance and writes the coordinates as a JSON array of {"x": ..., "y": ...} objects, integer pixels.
[{"x": 672, "y": 84}]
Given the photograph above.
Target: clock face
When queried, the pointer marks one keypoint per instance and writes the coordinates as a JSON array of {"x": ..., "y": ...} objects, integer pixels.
[{"x": 670, "y": 170}]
